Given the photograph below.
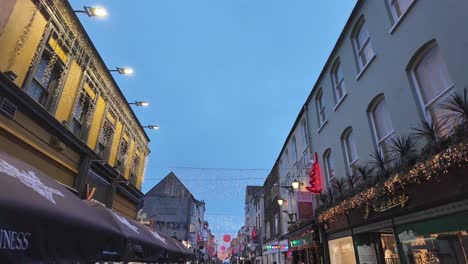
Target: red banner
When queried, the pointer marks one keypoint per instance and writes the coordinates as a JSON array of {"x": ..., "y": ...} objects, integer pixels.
[{"x": 315, "y": 179}]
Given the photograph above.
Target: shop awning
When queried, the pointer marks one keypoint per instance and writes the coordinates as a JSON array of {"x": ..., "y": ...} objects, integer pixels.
[
  {"x": 42, "y": 221},
  {"x": 142, "y": 244}
]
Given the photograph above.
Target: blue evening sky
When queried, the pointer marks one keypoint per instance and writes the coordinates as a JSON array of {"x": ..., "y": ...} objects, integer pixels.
[{"x": 225, "y": 79}]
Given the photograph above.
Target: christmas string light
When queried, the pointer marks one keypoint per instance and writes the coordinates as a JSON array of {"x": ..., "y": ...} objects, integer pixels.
[{"x": 438, "y": 166}]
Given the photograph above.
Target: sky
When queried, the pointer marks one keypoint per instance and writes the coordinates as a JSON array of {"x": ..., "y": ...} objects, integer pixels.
[{"x": 225, "y": 80}]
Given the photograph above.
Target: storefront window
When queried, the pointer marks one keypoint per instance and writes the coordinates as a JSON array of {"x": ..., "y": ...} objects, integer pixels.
[
  {"x": 443, "y": 240},
  {"x": 389, "y": 248},
  {"x": 342, "y": 251},
  {"x": 366, "y": 245}
]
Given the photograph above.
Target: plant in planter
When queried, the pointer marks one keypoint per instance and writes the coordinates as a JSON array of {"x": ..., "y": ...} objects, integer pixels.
[
  {"x": 339, "y": 185},
  {"x": 457, "y": 105},
  {"x": 365, "y": 173},
  {"x": 380, "y": 164},
  {"x": 404, "y": 153}
]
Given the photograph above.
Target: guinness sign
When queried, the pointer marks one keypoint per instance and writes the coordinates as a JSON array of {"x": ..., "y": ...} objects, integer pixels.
[{"x": 14, "y": 240}]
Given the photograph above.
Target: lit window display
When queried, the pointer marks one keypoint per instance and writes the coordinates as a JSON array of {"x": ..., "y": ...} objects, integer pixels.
[
  {"x": 437, "y": 241},
  {"x": 342, "y": 251}
]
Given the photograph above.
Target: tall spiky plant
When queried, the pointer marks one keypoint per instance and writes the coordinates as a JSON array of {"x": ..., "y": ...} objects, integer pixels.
[
  {"x": 403, "y": 150},
  {"x": 364, "y": 171},
  {"x": 430, "y": 132},
  {"x": 340, "y": 187},
  {"x": 324, "y": 198},
  {"x": 380, "y": 164},
  {"x": 352, "y": 180},
  {"x": 457, "y": 105}
]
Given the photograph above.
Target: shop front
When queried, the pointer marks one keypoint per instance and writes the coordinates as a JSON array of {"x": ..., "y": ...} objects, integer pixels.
[
  {"x": 422, "y": 223},
  {"x": 275, "y": 252},
  {"x": 302, "y": 246}
]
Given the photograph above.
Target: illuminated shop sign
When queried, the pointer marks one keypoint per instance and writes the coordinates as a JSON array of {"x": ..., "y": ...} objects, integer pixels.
[{"x": 276, "y": 247}]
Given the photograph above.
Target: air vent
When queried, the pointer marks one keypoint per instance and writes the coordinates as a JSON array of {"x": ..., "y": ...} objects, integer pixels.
[{"x": 8, "y": 108}]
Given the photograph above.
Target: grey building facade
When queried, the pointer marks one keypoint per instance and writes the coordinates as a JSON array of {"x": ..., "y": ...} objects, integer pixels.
[
  {"x": 394, "y": 66},
  {"x": 175, "y": 211}
]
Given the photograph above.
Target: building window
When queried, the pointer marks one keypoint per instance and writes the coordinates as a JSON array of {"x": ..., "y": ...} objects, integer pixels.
[
  {"x": 364, "y": 51},
  {"x": 329, "y": 166},
  {"x": 433, "y": 82},
  {"x": 305, "y": 135},
  {"x": 321, "y": 117},
  {"x": 342, "y": 250},
  {"x": 286, "y": 154},
  {"x": 350, "y": 149},
  {"x": 134, "y": 171},
  {"x": 46, "y": 76},
  {"x": 381, "y": 124},
  {"x": 122, "y": 154},
  {"x": 399, "y": 7},
  {"x": 276, "y": 230},
  {"x": 82, "y": 114},
  {"x": 294, "y": 149},
  {"x": 105, "y": 139},
  {"x": 338, "y": 82}
]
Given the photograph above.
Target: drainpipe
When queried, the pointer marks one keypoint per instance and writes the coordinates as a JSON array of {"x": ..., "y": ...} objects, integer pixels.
[{"x": 82, "y": 177}]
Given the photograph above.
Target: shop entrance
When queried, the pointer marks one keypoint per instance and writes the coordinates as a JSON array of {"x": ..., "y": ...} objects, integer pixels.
[{"x": 378, "y": 247}]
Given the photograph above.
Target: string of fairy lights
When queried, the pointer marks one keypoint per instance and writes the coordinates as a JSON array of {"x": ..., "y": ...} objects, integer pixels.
[{"x": 438, "y": 166}]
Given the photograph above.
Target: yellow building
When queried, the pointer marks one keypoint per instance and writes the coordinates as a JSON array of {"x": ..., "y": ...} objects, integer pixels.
[{"x": 60, "y": 108}]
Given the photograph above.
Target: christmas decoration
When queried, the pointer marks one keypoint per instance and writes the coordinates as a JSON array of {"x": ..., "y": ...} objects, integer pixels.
[
  {"x": 223, "y": 248},
  {"x": 315, "y": 179},
  {"x": 227, "y": 238},
  {"x": 438, "y": 166}
]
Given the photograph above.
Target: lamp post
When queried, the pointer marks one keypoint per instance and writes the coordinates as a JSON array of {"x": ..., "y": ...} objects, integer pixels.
[
  {"x": 152, "y": 127},
  {"x": 93, "y": 11},
  {"x": 139, "y": 103},
  {"x": 123, "y": 70}
]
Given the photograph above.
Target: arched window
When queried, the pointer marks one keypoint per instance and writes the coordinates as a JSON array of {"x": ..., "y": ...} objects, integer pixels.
[
  {"x": 399, "y": 7},
  {"x": 362, "y": 44},
  {"x": 433, "y": 82},
  {"x": 321, "y": 117},
  {"x": 381, "y": 123},
  {"x": 350, "y": 149},
  {"x": 338, "y": 81},
  {"x": 329, "y": 166}
]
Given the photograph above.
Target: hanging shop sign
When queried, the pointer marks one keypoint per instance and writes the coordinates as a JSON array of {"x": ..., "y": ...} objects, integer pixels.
[
  {"x": 315, "y": 178},
  {"x": 386, "y": 204}
]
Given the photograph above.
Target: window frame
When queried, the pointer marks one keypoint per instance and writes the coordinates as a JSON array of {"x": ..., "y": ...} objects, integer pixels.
[
  {"x": 420, "y": 54},
  {"x": 43, "y": 48},
  {"x": 320, "y": 106},
  {"x": 338, "y": 83},
  {"x": 106, "y": 153},
  {"x": 378, "y": 141},
  {"x": 305, "y": 134},
  {"x": 393, "y": 11},
  {"x": 347, "y": 150},
  {"x": 326, "y": 160},
  {"x": 360, "y": 48},
  {"x": 83, "y": 134},
  {"x": 294, "y": 148}
]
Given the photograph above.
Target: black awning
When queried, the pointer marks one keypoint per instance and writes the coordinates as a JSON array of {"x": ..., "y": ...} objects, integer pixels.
[
  {"x": 142, "y": 244},
  {"x": 40, "y": 220}
]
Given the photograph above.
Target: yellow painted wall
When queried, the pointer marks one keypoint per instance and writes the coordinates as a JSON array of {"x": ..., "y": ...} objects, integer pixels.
[
  {"x": 141, "y": 175},
  {"x": 70, "y": 90},
  {"x": 115, "y": 144},
  {"x": 18, "y": 21},
  {"x": 131, "y": 149},
  {"x": 97, "y": 121}
]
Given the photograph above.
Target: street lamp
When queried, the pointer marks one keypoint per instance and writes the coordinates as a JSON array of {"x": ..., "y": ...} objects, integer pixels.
[
  {"x": 281, "y": 201},
  {"x": 92, "y": 11},
  {"x": 295, "y": 184},
  {"x": 139, "y": 103},
  {"x": 152, "y": 127},
  {"x": 123, "y": 70}
]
